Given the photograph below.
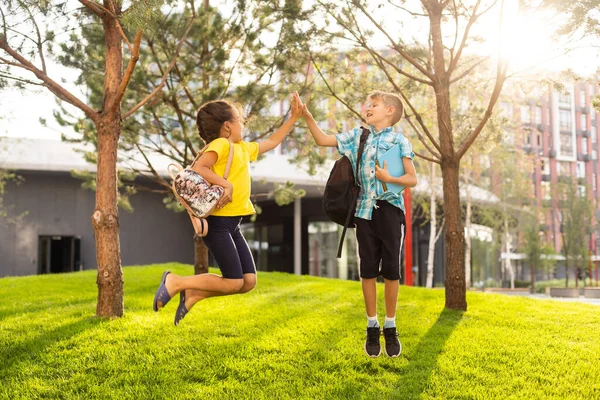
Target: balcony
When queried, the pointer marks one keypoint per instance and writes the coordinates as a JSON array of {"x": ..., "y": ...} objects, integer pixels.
[
  {"x": 546, "y": 177},
  {"x": 552, "y": 154},
  {"x": 584, "y": 133}
]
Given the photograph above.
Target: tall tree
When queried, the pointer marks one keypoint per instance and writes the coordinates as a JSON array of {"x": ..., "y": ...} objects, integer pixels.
[
  {"x": 29, "y": 41},
  {"x": 435, "y": 64},
  {"x": 575, "y": 227},
  {"x": 233, "y": 50}
]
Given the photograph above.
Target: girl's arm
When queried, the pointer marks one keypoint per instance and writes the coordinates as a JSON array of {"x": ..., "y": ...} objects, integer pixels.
[
  {"x": 205, "y": 162},
  {"x": 276, "y": 138}
]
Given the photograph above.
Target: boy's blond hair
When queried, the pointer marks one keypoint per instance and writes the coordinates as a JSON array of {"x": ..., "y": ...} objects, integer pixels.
[{"x": 390, "y": 100}]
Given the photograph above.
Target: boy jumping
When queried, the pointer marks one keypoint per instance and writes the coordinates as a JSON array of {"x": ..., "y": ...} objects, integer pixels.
[{"x": 379, "y": 217}]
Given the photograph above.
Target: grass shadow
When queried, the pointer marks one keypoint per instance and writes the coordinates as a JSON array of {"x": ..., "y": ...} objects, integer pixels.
[
  {"x": 423, "y": 360},
  {"x": 34, "y": 347}
]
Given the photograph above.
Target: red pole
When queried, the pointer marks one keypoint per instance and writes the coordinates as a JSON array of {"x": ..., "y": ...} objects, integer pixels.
[{"x": 408, "y": 251}]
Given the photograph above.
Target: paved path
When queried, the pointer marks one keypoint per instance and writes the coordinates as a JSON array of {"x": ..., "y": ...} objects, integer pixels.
[{"x": 541, "y": 296}]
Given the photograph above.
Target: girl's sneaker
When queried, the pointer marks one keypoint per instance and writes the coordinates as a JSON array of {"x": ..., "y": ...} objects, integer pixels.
[
  {"x": 393, "y": 348},
  {"x": 372, "y": 345}
]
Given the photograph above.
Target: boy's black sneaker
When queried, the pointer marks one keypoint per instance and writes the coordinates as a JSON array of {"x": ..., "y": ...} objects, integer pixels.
[
  {"x": 393, "y": 348},
  {"x": 372, "y": 345}
]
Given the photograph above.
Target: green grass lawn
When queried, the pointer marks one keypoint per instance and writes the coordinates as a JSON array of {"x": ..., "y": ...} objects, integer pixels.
[{"x": 291, "y": 338}]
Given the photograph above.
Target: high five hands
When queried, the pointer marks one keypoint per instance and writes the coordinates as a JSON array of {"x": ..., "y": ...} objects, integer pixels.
[{"x": 297, "y": 106}]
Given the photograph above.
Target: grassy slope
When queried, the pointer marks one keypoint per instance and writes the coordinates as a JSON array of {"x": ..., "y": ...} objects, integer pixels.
[{"x": 293, "y": 337}]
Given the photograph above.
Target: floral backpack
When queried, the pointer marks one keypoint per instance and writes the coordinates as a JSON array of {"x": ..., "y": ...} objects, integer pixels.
[{"x": 194, "y": 193}]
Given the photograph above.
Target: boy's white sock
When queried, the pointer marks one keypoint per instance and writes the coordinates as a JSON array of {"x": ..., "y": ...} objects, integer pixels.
[
  {"x": 390, "y": 322},
  {"x": 372, "y": 322}
]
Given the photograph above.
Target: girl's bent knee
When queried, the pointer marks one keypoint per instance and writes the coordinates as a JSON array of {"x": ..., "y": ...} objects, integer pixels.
[{"x": 235, "y": 285}]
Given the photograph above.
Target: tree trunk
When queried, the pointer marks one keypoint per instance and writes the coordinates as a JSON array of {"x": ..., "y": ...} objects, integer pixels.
[
  {"x": 532, "y": 269},
  {"x": 200, "y": 256},
  {"x": 105, "y": 218},
  {"x": 454, "y": 239},
  {"x": 468, "y": 236},
  {"x": 432, "y": 230},
  {"x": 507, "y": 241}
]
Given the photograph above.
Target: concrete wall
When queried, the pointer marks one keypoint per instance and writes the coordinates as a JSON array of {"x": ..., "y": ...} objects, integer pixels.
[{"x": 57, "y": 205}]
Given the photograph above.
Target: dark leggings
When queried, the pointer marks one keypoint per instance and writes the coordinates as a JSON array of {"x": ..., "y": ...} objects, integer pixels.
[{"x": 229, "y": 247}]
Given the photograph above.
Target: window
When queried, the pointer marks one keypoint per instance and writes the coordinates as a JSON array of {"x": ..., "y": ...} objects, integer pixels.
[
  {"x": 584, "y": 146},
  {"x": 581, "y": 190},
  {"x": 528, "y": 137},
  {"x": 507, "y": 110},
  {"x": 580, "y": 169},
  {"x": 583, "y": 122},
  {"x": 545, "y": 166},
  {"x": 546, "y": 190},
  {"x": 594, "y": 134},
  {"x": 538, "y": 115},
  {"x": 594, "y": 155},
  {"x": 582, "y": 97},
  {"x": 566, "y": 145},
  {"x": 525, "y": 114},
  {"x": 564, "y": 119},
  {"x": 564, "y": 98},
  {"x": 594, "y": 183}
]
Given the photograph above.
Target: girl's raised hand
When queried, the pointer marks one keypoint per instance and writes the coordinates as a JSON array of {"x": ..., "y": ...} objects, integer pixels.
[{"x": 296, "y": 106}]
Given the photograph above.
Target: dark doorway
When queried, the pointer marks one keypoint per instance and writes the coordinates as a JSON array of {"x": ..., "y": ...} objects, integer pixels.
[{"x": 59, "y": 254}]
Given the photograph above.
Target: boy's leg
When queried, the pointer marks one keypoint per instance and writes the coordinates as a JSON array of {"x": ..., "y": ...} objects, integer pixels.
[
  {"x": 391, "y": 226},
  {"x": 369, "y": 252}
]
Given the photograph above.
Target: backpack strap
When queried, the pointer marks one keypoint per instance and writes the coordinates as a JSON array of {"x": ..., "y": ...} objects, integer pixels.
[
  {"x": 229, "y": 158},
  {"x": 361, "y": 147}
]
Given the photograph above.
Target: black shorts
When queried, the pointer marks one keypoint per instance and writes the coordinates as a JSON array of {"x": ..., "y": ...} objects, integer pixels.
[
  {"x": 229, "y": 247},
  {"x": 380, "y": 241}
]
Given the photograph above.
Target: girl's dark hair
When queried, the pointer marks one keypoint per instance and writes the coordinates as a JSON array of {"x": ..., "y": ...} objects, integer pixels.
[{"x": 211, "y": 116}]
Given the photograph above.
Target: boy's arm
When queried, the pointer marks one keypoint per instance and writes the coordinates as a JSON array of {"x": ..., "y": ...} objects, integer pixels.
[
  {"x": 276, "y": 138},
  {"x": 409, "y": 179},
  {"x": 320, "y": 137}
]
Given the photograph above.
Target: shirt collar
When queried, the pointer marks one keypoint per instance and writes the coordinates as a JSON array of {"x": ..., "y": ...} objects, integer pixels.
[{"x": 384, "y": 130}]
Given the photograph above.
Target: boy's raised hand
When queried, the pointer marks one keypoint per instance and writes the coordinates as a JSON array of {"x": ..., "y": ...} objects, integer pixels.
[{"x": 296, "y": 106}]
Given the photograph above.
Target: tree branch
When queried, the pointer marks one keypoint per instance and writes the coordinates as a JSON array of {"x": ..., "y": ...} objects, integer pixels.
[
  {"x": 433, "y": 160},
  {"x": 21, "y": 80},
  {"x": 422, "y": 139},
  {"x": 399, "y": 49},
  {"x": 135, "y": 56},
  {"x": 164, "y": 78},
  {"x": 332, "y": 92},
  {"x": 468, "y": 71},
  {"x": 454, "y": 60},
  {"x": 500, "y": 79},
  {"x": 54, "y": 87},
  {"x": 97, "y": 8}
]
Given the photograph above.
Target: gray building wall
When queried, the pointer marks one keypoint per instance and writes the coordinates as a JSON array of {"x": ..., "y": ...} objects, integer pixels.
[{"x": 57, "y": 205}]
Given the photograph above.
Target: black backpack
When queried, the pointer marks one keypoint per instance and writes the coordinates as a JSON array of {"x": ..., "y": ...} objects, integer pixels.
[{"x": 342, "y": 189}]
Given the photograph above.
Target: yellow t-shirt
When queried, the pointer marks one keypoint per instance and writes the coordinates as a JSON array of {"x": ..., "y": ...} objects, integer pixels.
[{"x": 239, "y": 174}]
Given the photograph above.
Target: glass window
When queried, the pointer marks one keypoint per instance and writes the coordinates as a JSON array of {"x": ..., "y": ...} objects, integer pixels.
[
  {"x": 594, "y": 134},
  {"x": 582, "y": 97},
  {"x": 580, "y": 169},
  {"x": 584, "y": 145},
  {"x": 538, "y": 115},
  {"x": 583, "y": 122},
  {"x": 525, "y": 114},
  {"x": 546, "y": 190},
  {"x": 545, "y": 166},
  {"x": 507, "y": 109},
  {"x": 566, "y": 145},
  {"x": 564, "y": 98},
  {"x": 564, "y": 119},
  {"x": 581, "y": 190}
]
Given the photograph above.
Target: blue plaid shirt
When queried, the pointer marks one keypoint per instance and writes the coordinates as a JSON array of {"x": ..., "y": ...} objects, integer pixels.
[{"x": 377, "y": 143}]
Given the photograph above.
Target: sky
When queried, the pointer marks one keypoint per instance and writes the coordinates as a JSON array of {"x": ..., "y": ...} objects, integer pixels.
[{"x": 525, "y": 42}]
